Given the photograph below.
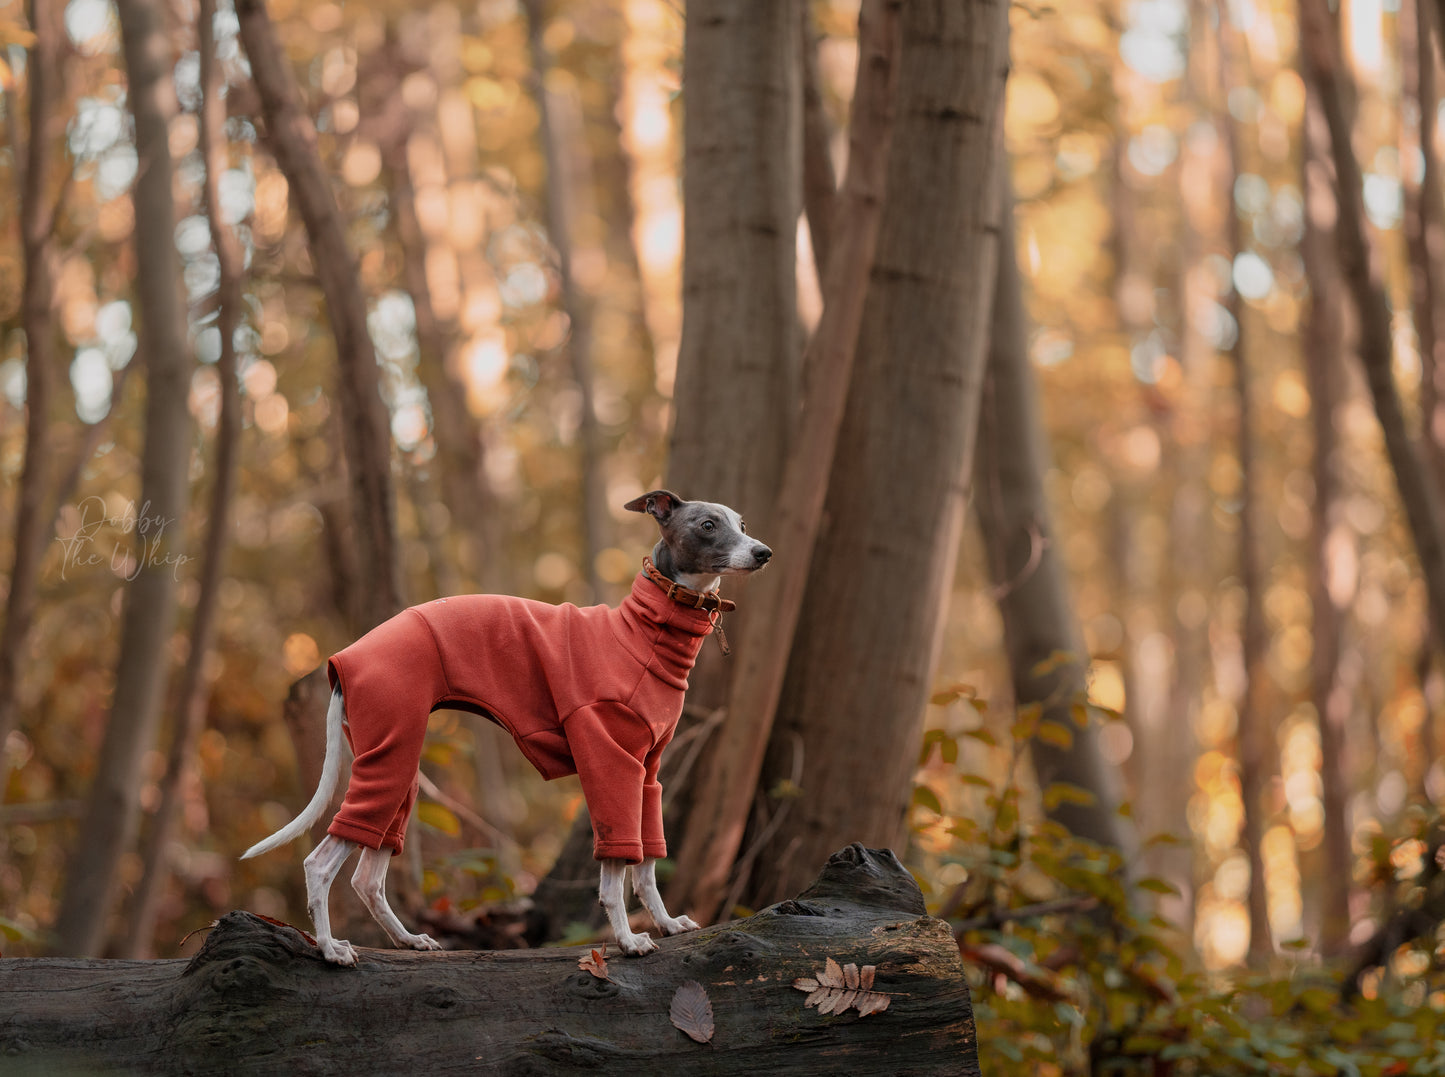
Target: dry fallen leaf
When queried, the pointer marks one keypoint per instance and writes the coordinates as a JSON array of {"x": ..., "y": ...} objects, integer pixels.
[
  {"x": 595, "y": 962},
  {"x": 842, "y": 987},
  {"x": 691, "y": 1011}
]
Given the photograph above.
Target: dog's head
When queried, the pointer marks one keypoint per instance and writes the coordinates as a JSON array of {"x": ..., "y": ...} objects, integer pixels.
[{"x": 700, "y": 539}]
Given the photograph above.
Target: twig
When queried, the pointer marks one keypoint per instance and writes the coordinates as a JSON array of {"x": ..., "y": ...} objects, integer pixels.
[
  {"x": 466, "y": 814},
  {"x": 1037, "y": 545},
  {"x": 744, "y": 870},
  {"x": 49, "y": 811},
  {"x": 696, "y": 739},
  {"x": 998, "y": 917}
]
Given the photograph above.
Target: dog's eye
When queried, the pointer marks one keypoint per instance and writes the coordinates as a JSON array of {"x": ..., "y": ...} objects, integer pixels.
[
  {"x": 742, "y": 527},
  {"x": 708, "y": 525}
]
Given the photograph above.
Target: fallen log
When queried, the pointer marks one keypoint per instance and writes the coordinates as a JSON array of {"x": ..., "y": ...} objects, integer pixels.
[{"x": 257, "y": 998}]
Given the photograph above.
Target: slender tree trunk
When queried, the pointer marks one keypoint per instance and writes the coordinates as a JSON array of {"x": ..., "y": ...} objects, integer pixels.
[
  {"x": 113, "y": 809},
  {"x": 1425, "y": 241},
  {"x": 863, "y": 657},
  {"x": 1362, "y": 276},
  {"x": 1332, "y": 546},
  {"x": 820, "y": 183},
  {"x": 37, "y": 303},
  {"x": 465, "y": 489},
  {"x": 1168, "y": 757},
  {"x": 365, "y": 428},
  {"x": 1254, "y": 730},
  {"x": 563, "y": 146},
  {"x": 1029, "y": 577},
  {"x": 194, "y": 693},
  {"x": 724, "y": 799}
]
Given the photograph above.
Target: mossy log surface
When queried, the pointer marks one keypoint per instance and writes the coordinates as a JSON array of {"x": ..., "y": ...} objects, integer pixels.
[{"x": 258, "y": 998}]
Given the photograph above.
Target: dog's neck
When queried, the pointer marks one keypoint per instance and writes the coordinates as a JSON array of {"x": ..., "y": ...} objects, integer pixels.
[{"x": 667, "y": 564}]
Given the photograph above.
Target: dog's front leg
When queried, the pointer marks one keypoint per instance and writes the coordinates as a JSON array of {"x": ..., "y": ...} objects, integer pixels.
[
  {"x": 644, "y": 882},
  {"x": 613, "y": 897}
]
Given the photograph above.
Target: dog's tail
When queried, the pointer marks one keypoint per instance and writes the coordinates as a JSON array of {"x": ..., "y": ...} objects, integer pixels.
[{"x": 330, "y": 769}]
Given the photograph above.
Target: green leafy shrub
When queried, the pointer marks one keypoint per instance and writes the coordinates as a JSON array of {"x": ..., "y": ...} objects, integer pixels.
[{"x": 1074, "y": 973}]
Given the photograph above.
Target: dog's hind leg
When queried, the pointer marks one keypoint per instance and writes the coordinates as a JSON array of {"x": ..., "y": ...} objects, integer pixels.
[
  {"x": 369, "y": 882},
  {"x": 613, "y": 895},
  {"x": 644, "y": 883},
  {"x": 322, "y": 867}
]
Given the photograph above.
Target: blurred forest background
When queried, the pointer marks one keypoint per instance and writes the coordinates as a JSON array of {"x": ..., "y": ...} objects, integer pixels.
[{"x": 1096, "y": 415}]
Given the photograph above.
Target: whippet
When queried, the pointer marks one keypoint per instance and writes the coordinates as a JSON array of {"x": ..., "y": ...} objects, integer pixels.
[{"x": 595, "y": 692}]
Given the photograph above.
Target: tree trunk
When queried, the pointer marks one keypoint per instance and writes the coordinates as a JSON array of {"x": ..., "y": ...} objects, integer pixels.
[
  {"x": 1028, "y": 575},
  {"x": 724, "y": 798},
  {"x": 1332, "y": 543},
  {"x": 194, "y": 694},
  {"x": 459, "y": 445},
  {"x": 820, "y": 182},
  {"x": 1425, "y": 241},
  {"x": 366, "y": 431},
  {"x": 1362, "y": 275},
  {"x": 863, "y": 658},
  {"x": 1253, "y": 728},
  {"x": 258, "y": 996},
  {"x": 113, "y": 809},
  {"x": 737, "y": 389},
  {"x": 563, "y": 146},
  {"x": 37, "y": 304}
]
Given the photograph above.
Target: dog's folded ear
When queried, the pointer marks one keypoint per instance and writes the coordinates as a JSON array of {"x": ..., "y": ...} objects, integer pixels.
[{"x": 660, "y": 503}]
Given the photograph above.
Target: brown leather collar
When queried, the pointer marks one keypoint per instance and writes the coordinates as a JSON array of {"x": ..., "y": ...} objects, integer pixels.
[{"x": 686, "y": 596}]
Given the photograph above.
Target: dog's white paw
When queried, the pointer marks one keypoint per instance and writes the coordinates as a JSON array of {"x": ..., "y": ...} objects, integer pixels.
[
  {"x": 677, "y": 925},
  {"x": 424, "y": 942},
  {"x": 636, "y": 945},
  {"x": 337, "y": 951}
]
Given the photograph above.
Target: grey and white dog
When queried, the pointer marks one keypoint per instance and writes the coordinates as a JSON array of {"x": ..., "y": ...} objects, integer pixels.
[{"x": 700, "y": 542}]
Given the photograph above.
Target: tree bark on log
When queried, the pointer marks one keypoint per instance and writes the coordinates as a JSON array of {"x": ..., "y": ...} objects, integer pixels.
[{"x": 258, "y": 998}]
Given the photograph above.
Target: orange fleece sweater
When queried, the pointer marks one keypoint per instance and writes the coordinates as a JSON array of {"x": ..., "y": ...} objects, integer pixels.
[{"x": 590, "y": 691}]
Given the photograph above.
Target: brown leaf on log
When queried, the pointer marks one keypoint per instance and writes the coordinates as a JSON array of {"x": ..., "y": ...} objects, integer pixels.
[
  {"x": 595, "y": 962},
  {"x": 842, "y": 987},
  {"x": 691, "y": 1011}
]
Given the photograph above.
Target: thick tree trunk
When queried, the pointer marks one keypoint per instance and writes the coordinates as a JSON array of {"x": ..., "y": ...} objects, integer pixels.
[
  {"x": 1254, "y": 734},
  {"x": 725, "y": 796},
  {"x": 113, "y": 810},
  {"x": 863, "y": 658},
  {"x": 257, "y": 998},
  {"x": 366, "y": 430},
  {"x": 737, "y": 390},
  {"x": 1362, "y": 275},
  {"x": 1028, "y": 575},
  {"x": 37, "y": 303},
  {"x": 194, "y": 693}
]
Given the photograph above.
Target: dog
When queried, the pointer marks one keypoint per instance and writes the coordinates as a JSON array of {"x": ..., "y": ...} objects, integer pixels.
[{"x": 595, "y": 692}]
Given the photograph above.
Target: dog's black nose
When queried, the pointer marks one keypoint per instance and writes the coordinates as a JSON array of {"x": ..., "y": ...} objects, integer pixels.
[{"x": 761, "y": 555}]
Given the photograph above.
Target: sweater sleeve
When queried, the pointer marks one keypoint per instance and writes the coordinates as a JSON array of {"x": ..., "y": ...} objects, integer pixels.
[
  {"x": 654, "y": 843},
  {"x": 617, "y": 763}
]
